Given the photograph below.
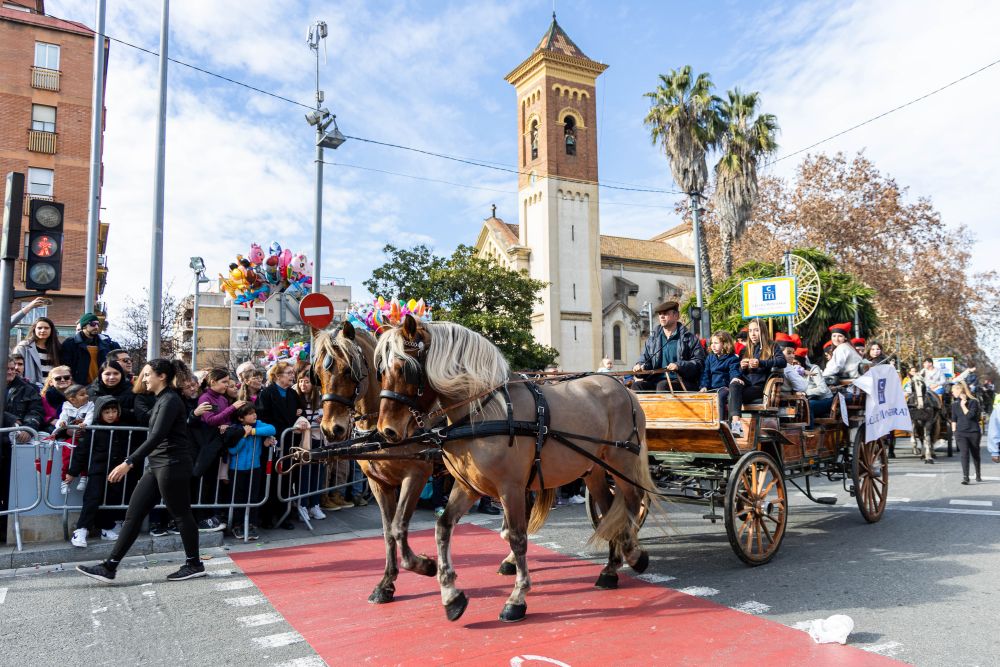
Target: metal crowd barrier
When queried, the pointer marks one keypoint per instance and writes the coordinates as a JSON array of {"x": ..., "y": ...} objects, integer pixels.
[
  {"x": 219, "y": 493},
  {"x": 298, "y": 486},
  {"x": 16, "y": 506}
]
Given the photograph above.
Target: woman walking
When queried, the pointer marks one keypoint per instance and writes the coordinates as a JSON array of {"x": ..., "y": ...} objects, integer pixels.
[
  {"x": 168, "y": 475},
  {"x": 40, "y": 351},
  {"x": 965, "y": 412}
]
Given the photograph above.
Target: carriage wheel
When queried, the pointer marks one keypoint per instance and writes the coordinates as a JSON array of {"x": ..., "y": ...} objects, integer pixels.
[
  {"x": 870, "y": 472},
  {"x": 595, "y": 514},
  {"x": 756, "y": 508}
]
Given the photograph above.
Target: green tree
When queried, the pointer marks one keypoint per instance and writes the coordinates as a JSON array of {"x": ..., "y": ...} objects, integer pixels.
[
  {"x": 472, "y": 291},
  {"x": 836, "y": 302},
  {"x": 684, "y": 120},
  {"x": 747, "y": 137}
]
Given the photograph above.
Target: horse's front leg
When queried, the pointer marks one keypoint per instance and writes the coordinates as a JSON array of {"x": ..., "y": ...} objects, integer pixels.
[
  {"x": 386, "y": 498},
  {"x": 517, "y": 535},
  {"x": 409, "y": 495},
  {"x": 459, "y": 502}
]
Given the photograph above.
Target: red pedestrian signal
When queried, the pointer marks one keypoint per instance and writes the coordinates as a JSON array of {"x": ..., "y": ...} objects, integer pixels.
[{"x": 43, "y": 265}]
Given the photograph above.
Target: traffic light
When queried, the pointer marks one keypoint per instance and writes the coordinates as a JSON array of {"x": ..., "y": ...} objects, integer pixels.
[{"x": 43, "y": 264}]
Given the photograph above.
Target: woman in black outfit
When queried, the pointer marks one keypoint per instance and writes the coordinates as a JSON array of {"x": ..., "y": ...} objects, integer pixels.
[
  {"x": 168, "y": 475},
  {"x": 111, "y": 382},
  {"x": 278, "y": 405},
  {"x": 758, "y": 360},
  {"x": 965, "y": 412}
]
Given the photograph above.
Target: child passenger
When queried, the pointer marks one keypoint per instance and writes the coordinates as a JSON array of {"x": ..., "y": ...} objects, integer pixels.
[
  {"x": 722, "y": 366},
  {"x": 78, "y": 410}
]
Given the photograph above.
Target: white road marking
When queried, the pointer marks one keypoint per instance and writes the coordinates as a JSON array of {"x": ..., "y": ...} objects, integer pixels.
[
  {"x": 947, "y": 510},
  {"x": 149, "y": 593},
  {"x": 280, "y": 639},
  {"x": 3, "y": 595},
  {"x": 972, "y": 503},
  {"x": 888, "y": 649},
  {"x": 897, "y": 500},
  {"x": 245, "y": 601},
  {"x": 258, "y": 620},
  {"x": 217, "y": 560},
  {"x": 549, "y": 545},
  {"x": 234, "y": 585},
  {"x": 306, "y": 661},
  {"x": 700, "y": 591},
  {"x": 220, "y": 573},
  {"x": 753, "y": 607},
  {"x": 921, "y": 474},
  {"x": 990, "y": 479},
  {"x": 656, "y": 578}
]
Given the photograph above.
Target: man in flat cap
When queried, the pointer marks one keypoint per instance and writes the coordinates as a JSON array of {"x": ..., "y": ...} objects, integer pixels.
[{"x": 673, "y": 347}]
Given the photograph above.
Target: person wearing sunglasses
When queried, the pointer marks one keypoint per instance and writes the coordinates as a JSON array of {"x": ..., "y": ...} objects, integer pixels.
[
  {"x": 87, "y": 351},
  {"x": 58, "y": 381}
]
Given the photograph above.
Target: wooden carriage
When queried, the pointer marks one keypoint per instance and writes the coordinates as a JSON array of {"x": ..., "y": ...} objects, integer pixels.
[{"x": 695, "y": 458}]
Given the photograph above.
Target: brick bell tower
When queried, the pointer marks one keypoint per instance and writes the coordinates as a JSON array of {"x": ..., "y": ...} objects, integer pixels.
[{"x": 557, "y": 194}]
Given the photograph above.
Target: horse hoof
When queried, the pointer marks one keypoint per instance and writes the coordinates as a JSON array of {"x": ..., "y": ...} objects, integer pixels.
[
  {"x": 641, "y": 564},
  {"x": 381, "y": 596},
  {"x": 426, "y": 566},
  {"x": 512, "y": 613},
  {"x": 507, "y": 569},
  {"x": 607, "y": 581},
  {"x": 454, "y": 609}
]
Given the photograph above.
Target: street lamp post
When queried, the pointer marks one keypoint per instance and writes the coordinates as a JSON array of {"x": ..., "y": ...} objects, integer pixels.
[
  {"x": 198, "y": 266},
  {"x": 321, "y": 119}
]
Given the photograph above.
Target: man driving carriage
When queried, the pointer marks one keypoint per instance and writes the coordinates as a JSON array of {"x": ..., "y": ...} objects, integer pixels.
[{"x": 673, "y": 347}]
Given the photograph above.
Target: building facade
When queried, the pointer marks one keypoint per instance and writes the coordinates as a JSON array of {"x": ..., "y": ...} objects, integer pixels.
[
  {"x": 46, "y": 86},
  {"x": 596, "y": 284}
]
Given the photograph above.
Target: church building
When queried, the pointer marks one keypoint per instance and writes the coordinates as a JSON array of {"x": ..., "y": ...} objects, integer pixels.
[{"x": 596, "y": 284}]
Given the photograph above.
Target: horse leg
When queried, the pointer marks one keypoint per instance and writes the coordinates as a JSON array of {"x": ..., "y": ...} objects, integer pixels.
[
  {"x": 409, "y": 495},
  {"x": 507, "y": 567},
  {"x": 386, "y": 498},
  {"x": 517, "y": 535},
  {"x": 634, "y": 555},
  {"x": 601, "y": 493},
  {"x": 459, "y": 502}
]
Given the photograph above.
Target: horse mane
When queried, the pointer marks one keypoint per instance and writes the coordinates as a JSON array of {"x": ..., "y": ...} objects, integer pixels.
[
  {"x": 328, "y": 343},
  {"x": 460, "y": 362}
]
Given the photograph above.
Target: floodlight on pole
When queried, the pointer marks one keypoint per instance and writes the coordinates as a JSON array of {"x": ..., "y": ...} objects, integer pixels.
[{"x": 198, "y": 266}]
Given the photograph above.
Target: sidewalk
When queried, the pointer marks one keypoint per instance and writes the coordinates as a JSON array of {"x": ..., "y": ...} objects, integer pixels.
[{"x": 347, "y": 523}]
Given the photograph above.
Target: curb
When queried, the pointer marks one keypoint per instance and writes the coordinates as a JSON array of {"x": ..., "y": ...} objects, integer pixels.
[{"x": 64, "y": 552}]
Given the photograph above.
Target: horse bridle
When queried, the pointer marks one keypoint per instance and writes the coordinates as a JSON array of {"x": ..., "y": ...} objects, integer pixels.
[
  {"x": 359, "y": 380},
  {"x": 420, "y": 380}
]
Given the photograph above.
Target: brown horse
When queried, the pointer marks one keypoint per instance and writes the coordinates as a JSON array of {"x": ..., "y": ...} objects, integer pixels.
[
  {"x": 342, "y": 365},
  {"x": 421, "y": 364}
]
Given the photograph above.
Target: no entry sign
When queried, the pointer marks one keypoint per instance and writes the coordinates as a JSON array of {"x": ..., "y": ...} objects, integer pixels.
[{"x": 316, "y": 310}]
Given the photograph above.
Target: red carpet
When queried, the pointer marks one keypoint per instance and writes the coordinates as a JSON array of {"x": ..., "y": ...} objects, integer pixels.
[{"x": 322, "y": 590}]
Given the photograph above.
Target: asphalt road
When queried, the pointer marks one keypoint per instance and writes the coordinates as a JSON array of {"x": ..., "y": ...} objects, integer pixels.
[{"x": 921, "y": 585}]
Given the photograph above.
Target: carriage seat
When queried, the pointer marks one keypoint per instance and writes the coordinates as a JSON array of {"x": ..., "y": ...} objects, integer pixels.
[{"x": 772, "y": 395}]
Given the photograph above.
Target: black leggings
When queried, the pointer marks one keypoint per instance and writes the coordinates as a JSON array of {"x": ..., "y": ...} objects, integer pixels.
[
  {"x": 172, "y": 483},
  {"x": 740, "y": 394},
  {"x": 968, "y": 447}
]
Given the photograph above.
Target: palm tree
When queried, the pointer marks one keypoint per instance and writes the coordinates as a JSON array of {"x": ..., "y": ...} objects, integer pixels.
[
  {"x": 682, "y": 118},
  {"x": 747, "y": 137}
]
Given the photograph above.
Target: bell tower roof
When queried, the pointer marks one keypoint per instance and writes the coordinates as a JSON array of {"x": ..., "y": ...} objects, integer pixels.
[{"x": 555, "y": 39}]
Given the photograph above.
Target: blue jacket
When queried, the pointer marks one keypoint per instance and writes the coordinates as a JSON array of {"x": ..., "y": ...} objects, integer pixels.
[
  {"x": 245, "y": 455},
  {"x": 720, "y": 371}
]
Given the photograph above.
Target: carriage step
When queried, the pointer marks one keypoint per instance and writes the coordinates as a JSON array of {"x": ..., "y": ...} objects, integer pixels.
[
  {"x": 712, "y": 517},
  {"x": 827, "y": 500}
]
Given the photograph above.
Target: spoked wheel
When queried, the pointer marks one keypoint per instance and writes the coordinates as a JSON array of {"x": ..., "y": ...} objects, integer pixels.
[
  {"x": 870, "y": 472},
  {"x": 595, "y": 514},
  {"x": 756, "y": 508}
]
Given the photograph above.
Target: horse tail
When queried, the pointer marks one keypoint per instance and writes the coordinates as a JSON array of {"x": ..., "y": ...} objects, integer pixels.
[
  {"x": 540, "y": 510},
  {"x": 620, "y": 521}
]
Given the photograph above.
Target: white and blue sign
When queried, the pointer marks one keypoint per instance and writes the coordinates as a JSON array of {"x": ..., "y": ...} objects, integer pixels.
[{"x": 771, "y": 297}]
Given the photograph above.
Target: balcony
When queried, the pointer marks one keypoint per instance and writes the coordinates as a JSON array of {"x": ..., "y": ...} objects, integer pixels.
[
  {"x": 42, "y": 142},
  {"x": 44, "y": 78}
]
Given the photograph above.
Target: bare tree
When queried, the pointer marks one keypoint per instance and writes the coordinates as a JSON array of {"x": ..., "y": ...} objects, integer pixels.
[{"x": 134, "y": 325}]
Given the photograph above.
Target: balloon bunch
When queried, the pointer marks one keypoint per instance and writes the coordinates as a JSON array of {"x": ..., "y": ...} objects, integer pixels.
[
  {"x": 258, "y": 275},
  {"x": 283, "y": 351},
  {"x": 381, "y": 314}
]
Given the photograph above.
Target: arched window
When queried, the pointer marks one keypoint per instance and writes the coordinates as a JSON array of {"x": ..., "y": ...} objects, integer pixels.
[
  {"x": 533, "y": 137},
  {"x": 616, "y": 342},
  {"x": 570, "y": 135}
]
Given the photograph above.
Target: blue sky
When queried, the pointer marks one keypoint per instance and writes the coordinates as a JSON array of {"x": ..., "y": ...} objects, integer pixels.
[{"x": 430, "y": 75}]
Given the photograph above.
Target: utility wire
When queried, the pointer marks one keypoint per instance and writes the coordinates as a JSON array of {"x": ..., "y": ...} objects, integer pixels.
[{"x": 885, "y": 113}]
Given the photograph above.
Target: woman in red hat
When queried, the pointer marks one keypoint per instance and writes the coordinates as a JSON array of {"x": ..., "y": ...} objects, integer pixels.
[{"x": 844, "y": 360}]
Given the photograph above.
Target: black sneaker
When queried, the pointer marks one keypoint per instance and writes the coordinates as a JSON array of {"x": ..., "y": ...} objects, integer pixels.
[
  {"x": 252, "y": 533},
  {"x": 210, "y": 525},
  {"x": 101, "y": 572},
  {"x": 172, "y": 529},
  {"x": 238, "y": 532},
  {"x": 157, "y": 530},
  {"x": 187, "y": 572}
]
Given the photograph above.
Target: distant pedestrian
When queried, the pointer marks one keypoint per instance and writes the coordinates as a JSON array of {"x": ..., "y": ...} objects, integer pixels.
[
  {"x": 965, "y": 412},
  {"x": 87, "y": 351},
  {"x": 168, "y": 476}
]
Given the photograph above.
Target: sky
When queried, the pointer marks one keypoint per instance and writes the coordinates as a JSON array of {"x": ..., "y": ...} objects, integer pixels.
[{"x": 239, "y": 164}]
